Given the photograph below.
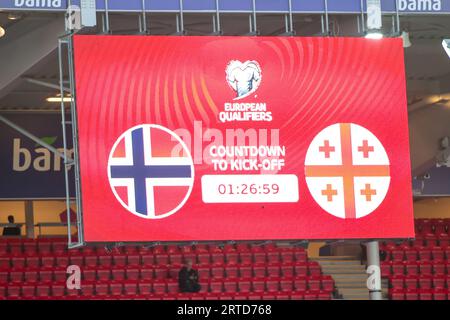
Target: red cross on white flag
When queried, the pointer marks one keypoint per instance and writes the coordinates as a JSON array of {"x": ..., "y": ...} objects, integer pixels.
[{"x": 347, "y": 170}]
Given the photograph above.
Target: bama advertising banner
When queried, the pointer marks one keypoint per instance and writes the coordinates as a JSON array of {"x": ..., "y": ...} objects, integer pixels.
[
  {"x": 272, "y": 6},
  {"x": 215, "y": 138},
  {"x": 28, "y": 170}
]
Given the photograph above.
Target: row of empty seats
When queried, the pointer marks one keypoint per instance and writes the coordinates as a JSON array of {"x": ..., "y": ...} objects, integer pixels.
[
  {"x": 419, "y": 294},
  {"x": 37, "y": 270},
  {"x": 162, "y": 272},
  {"x": 162, "y": 286}
]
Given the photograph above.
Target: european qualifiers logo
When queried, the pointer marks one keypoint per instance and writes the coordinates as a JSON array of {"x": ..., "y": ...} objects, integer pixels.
[
  {"x": 244, "y": 78},
  {"x": 147, "y": 177}
]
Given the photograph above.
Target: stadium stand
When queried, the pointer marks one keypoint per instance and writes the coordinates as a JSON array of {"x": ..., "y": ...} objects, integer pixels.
[
  {"x": 37, "y": 270},
  {"x": 420, "y": 268}
]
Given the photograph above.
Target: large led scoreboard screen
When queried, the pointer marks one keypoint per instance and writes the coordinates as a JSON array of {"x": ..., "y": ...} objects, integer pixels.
[{"x": 242, "y": 138}]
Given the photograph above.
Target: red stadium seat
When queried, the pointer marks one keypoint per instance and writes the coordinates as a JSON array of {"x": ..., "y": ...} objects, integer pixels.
[
  {"x": 78, "y": 260},
  {"x": 4, "y": 275},
  {"x": 118, "y": 274},
  {"x": 386, "y": 268},
  {"x": 103, "y": 260},
  {"x": 287, "y": 269},
  {"x": 424, "y": 254},
  {"x": 300, "y": 255},
  {"x": 172, "y": 249},
  {"x": 314, "y": 268},
  {"x": 439, "y": 282},
  {"x": 14, "y": 290},
  {"x": 28, "y": 289},
  {"x": 411, "y": 254},
  {"x": 43, "y": 290},
  {"x": 88, "y": 288},
  {"x": 411, "y": 294},
  {"x": 245, "y": 271},
  {"x": 15, "y": 247},
  {"x": 132, "y": 273},
  {"x": 438, "y": 253},
  {"x": 176, "y": 258},
  {"x": 116, "y": 288},
  {"x": 18, "y": 261},
  {"x": 301, "y": 269},
  {"x": 204, "y": 271},
  {"x": 172, "y": 287},
  {"x": 216, "y": 286},
  {"x": 162, "y": 259},
  {"x": 245, "y": 257},
  {"x": 272, "y": 284},
  {"x": 397, "y": 281},
  {"x": 314, "y": 283},
  {"x": 58, "y": 289},
  {"x": 425, "y": 282},
  {"x": 47, "y": 260},
  {"x": 300, "y": 283},
  {"x": 62, "y": 260},
  {"x": 231, "y": 271},
  {"x": 230, "y": 285},
  {"x": 439, "y": 294},
  {"x": 161, "y": 272},
  {"x": 31, "y": 274},
  {"x": 296, "y": 296},
  {"x": 259, "y": 270},
  {"x": 16, "y": 274},
  {"x": 145, "y": 286},
  {"x": 33, "y": 261},
  {"x": 327, "y": 283},
  {"x": 311, "y": 295},
  {"x": 324, "y": 295},
  {"x": 4, "y": 260},
  {"x": 411, "y": 282},
  {"x": 147, "y": 273},
  {"x": 244, "y": 285},
  {"x": 130, "y": 287},
  {"x": 273, "y": 256},
  {"x": 204, "y": 258},
  {"x": 232, "y": 257},
  {"x": 397, "y": 294},
  {"x": 425, "y": 294},
  {"x": 217, "y": 258},
  {"x": 119, "y": 260},
  {"x": 397, "y": 255},
  {"x": 258, "y": 285},
  {"x": 217, "y": 271},
  {"x": 259, "y": 256},
  {"x": 398, "y": 267},
  {"x": 59, "y": 274},
  {"x": 159, "y": 286},
  {"x": 412, "y": 268},
  {"x": 439, "y": 267},
  {"x": 287, "y": 256},
  {"x": 147, "y": 259},
  {"x": 101, "y": 288},
  {"x": 46, "y": 274},
  {"x": 104, "y": 273},
  {"x": 425, "y": 268},
  {"x": 286, "y": 285},
  {"x": 135, "y": 259},
  {"x": 274, "y": 269}
]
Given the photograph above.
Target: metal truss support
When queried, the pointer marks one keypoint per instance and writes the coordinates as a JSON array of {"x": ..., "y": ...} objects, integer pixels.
[{"x": 66, "y": 42}]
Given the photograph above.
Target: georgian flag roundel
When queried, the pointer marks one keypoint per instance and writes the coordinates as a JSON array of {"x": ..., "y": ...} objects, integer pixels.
[
  {"x": 347, "y": 170},
  {"x": 150, "y": 171}
]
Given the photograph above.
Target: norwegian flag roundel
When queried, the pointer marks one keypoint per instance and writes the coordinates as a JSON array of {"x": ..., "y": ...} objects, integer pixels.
[
  {"x": 151, "y": 172},
  {"x": 347, "y": 171}
]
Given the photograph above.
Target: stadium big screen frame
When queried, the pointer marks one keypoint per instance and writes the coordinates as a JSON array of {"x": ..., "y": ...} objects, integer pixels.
[{"x": 242, "y": 138}]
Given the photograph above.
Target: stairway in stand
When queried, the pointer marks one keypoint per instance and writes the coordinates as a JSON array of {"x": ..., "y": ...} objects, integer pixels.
[{"x": 350, "y": 277}]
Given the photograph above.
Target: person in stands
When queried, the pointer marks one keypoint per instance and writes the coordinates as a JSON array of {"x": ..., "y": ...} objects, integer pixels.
[
  {"x": 12, "y": 229},
  {"x": 188, "y": 278}
]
